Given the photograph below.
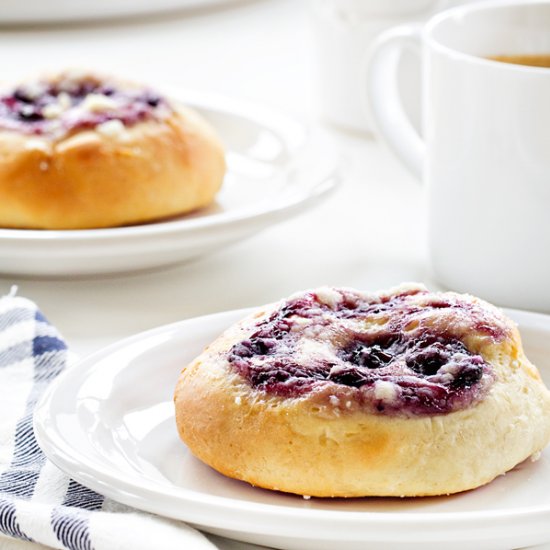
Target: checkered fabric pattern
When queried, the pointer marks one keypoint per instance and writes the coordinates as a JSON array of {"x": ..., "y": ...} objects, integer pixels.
[{"x": 38, "y": 502}]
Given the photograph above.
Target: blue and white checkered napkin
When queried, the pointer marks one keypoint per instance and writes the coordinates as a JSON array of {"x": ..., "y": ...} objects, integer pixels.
[{"x": 39, "y": 503}]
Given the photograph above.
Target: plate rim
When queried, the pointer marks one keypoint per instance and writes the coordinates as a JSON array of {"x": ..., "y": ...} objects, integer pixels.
[
  {"x": 357, "y": 522},
  {"x": 21, "y": 17}
]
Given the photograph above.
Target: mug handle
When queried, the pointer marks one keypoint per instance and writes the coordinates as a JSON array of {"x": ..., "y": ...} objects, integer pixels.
[{"x": 385, "y": 103}]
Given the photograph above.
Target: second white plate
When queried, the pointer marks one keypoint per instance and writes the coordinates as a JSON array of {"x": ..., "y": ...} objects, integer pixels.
[
  {"x": 17, "y": 12},
  {"x": 277, "y": 167},
  {"x": 109, "y": 423}
]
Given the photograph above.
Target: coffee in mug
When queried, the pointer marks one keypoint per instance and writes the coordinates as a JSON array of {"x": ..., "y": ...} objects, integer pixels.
[{"x": 532, "y": 60}]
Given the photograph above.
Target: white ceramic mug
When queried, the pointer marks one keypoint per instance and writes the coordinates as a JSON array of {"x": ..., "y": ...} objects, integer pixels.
[{"x": 485, "y": 157}]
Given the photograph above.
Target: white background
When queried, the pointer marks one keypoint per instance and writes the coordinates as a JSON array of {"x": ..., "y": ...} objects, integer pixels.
[{"x": 368, "y": 235}]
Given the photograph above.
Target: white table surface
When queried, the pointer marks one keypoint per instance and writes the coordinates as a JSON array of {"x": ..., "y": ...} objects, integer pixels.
[{"x": 368, "y": 234}]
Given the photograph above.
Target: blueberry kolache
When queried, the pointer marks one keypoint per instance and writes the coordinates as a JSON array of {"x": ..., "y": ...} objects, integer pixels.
[
  {"x": 335, "y": 392},
  {"x": 80, "y": 151}
]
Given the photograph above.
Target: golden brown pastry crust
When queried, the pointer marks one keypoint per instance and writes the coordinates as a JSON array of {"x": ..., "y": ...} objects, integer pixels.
[
  {"x": 297, "y": 445},
  {"x": 88, "y": 179}
]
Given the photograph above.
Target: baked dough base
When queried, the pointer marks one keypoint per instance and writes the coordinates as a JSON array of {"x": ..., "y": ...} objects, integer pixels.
[
  {"x": 296, "y": 446},
  {"x": 159, "y": 168}
]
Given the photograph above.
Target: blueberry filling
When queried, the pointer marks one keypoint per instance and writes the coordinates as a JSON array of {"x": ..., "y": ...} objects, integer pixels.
[
  {"x": 350, "y": 376},
  {"x": 387, "y": 366},
  {"x": 428, "y": 360},
  {"x": 278, "y": 374},
  {"x": 60, "y": 106},
  {"x": 370, "y": 355}
]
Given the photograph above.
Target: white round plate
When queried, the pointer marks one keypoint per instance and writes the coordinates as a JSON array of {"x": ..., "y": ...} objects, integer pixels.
[
  {"x": 50, "y": 11},
  {"x": 109, "y": 423},
  {"x": 277, "y": 167}
]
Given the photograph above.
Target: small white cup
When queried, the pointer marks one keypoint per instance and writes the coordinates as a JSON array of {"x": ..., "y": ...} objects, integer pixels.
[
  {"x": 343, "y": 32},
  {"x": 485, "y": 160}
]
